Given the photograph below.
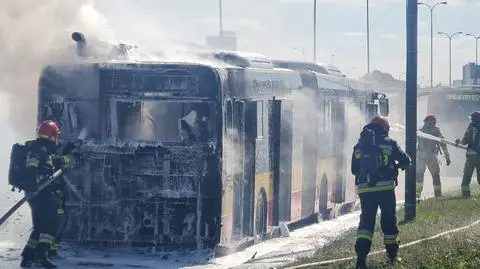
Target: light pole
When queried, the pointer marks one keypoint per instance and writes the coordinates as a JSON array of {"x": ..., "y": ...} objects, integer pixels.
[
  {"x": 450, "y": 51},
  {"x": 315, "y": 31},
  {"x": 220, "y": 16},
  {"x": 368, "y": 37},
  {"x": 431, "y": 35},
  {"x": 476, "y": 56}
]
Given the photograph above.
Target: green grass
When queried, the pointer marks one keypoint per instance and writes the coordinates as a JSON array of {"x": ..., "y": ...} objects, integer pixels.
[{"x": 458, "y": 250}]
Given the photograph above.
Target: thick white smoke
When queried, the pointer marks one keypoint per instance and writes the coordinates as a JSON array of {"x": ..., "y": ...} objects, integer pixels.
[{"x": 32, "y": 35}]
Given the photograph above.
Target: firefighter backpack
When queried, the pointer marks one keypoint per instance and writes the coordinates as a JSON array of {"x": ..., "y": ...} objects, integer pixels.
[
  {"x": 18, "y": 157},
  {"x": 370, "y": 158}
]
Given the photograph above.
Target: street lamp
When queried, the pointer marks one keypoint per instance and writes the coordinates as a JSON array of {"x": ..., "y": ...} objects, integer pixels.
[
  {"x": 368, "y": 37},
  {"x": 431, "y": 35},
  {"x": 220, "y": 16},
  {"x": 476, "y": 56},
  {"x": 315, "y": 31},
  {"x": 450, "y": 50}
]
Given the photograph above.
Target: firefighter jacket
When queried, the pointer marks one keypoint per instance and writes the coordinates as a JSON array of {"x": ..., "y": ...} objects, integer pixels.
[
  {"x": 392, "y": 158},
  {"x": 427, "y": 146},
  {"x": 41, "y": 159},
  {"x": 470, "y": 137}
]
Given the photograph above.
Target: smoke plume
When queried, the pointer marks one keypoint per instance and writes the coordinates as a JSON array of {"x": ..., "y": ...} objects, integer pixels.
[{"x": 32, "y": 35}]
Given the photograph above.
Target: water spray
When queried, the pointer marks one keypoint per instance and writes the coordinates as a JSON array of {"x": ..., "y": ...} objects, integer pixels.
[{"x": 397, "y": 127}]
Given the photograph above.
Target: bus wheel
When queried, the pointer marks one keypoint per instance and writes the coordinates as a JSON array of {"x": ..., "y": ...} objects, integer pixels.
[
  {"x": 261, "y": 215},
  {"x": 323, "y": 199}
]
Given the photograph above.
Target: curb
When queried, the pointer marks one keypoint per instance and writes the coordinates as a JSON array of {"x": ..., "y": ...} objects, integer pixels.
[{"x": 277, "y": 232}]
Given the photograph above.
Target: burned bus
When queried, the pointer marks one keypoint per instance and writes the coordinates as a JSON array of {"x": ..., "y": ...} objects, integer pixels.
[
  {"x": 452, "y": 107},
  {"x": 192, "y": 155}
]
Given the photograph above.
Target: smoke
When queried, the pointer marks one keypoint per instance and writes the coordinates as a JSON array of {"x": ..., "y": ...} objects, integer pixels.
[
  {"x": 339, "y": 125},
  {"x": 32, "y": 35},
  {"x": 233, "y": 159},
  {"x": 452, "y": 127}
]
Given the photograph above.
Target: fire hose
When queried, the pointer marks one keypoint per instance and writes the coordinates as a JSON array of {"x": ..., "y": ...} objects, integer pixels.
[
  {"x": 29, "y": 196},
  {"x": 382, "y": 251},
  {"x": 401, "y": 128}
]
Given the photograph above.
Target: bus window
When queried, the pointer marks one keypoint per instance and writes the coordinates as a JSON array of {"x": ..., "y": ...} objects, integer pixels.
[
  {"x": 165, "y": 121},
  {"x": 327, "y": 126},
  {"x": 259, "y": 118},
  {"x": 265, "y": 118}
]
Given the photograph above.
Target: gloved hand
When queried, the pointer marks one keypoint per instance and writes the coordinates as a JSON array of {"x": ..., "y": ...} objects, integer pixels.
[
  {"x": 457, "y": 141},
  {"x": 69, "y": 147},
  {"x": 447, "y": 159},
  {"x": 58, "y": 162}
]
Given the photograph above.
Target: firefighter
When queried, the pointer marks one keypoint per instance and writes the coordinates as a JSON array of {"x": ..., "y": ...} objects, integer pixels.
[
  {"x": 427, "y": 156},
  {"x": 40, "y": 163},
  {"x": 375, "y": 162},
  {"x": 472, "y": 140}
]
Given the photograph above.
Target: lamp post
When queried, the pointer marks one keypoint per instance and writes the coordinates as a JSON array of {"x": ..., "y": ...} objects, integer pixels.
[
  {"x": 450, "y": 51},
  {"x": 220, "y": 16},
  {"x": 368, "y": 37},
  {"x": 476, "y": 56},
  {"x": 315, "y": 31},
  {"x": 431, "y": 7}
]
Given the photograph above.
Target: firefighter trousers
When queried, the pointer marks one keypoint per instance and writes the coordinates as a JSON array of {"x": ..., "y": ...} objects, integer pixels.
[
  {"x": 472, "y": 162},
  {"x": 431, "y": 162},
  {"x": 62, "y": 219},
  {"x": 370, "y": 202},
  {"x": 44, "y": 215}
]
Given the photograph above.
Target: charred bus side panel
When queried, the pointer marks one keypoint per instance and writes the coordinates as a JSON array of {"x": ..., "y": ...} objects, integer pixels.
[{"x": 150, "y": 175}]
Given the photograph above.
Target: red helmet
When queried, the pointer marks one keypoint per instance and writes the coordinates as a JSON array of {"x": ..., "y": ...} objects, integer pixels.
[
  {"x": 383, "y": 121},
  {"x": 430, "y": 119},
  {"x": 48, "y": 130}
]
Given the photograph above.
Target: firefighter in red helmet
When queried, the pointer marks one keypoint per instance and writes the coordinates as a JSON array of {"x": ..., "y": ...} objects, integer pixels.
[
  {"x": 41, "y": 162},
  {"x": 427, "y": 156},
  {"x": 376, "y": 159},
  {"x": 472, "y": 162}
]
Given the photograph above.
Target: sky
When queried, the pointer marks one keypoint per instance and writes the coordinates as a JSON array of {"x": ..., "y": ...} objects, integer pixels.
[
  {"x": 280, "y": 28},
  {"x": 36, "y": 33}
]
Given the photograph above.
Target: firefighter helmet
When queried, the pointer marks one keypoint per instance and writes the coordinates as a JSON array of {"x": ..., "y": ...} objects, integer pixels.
[
  {"x": 48, "y": 130},
  {"x": 430, "y": 119},
  {"x": 383, "y": 121},
  {"x": 475, "y": 116}
]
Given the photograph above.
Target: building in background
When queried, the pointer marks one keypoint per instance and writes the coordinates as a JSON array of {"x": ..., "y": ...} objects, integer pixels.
[
  {"x": 469, "y": 74},
  {"x": 226, "y": 40}
]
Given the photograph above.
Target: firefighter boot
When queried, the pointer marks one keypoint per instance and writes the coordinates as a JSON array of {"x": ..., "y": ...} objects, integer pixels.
[
  {"x": 392, "y": 251},
  {"x": 465, "y": 192},
  {"x": 42, "y": 256},
  {"x": 362, "y": 248},
  {"x": 361, "y": 263},
  {"x": 28, "y": 256},
  {"x": 437, "y": 185}
]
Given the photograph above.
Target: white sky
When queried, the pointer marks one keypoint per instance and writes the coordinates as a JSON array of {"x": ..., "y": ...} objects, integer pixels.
[{"x": 276, "y": 27}]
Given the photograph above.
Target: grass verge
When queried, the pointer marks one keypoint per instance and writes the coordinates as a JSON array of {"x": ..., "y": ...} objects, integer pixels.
[{"x": 458, "y": 250}]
